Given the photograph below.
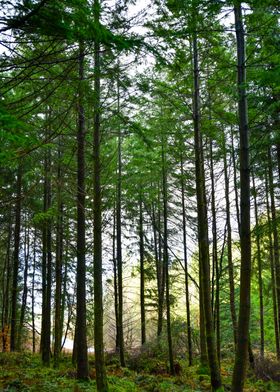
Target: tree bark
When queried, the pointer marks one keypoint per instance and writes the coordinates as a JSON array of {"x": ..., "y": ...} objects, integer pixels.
[
  {"x": 202, "y": 331},
  {"x": 272, "y": 269},
  {"x": 80, "y": 332},
  {"x": 33, "y": 294},
  {"x": 116, "y": 301},
  {"x": 6, "y": 289},
  {"x": 58, "y": 262},
  {"x": 214, "y": 233},
  {"x": 259, "y": 259},
  {"x": 189, "y": 331},
  {"x": 241, "y": 356},
  {"x": 65, "y": 258},
  {"x": 229, "y": 248},
  {"x": 14, "y": 300},
  {"x": 161, "y": 275},
  {"x": 101, "y": 381},
  {"x": 275, "y": 234},
  {"x": 203, "y": 229},
  {"x": 25, "y": 288},
  {"x": 46, "y": 266},
  {"x": 166, "y": 261},
  {"x": 142, "y": 272},
  {"x": 119, "y": 248},
  {"x": 235, "y": 180},
  {"x": 278, "y": 148}
]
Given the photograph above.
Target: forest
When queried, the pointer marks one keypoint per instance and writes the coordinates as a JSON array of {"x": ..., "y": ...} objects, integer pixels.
[{"x": 139, "y": 195}]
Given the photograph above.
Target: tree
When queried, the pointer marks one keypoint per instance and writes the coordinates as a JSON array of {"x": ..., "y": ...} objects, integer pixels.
[
  {"x": 13, "y": 338},
  {"x": 245, "y": 233},
  {"x": 81, "y": 337},
  {"x": 97, "y": 230}
]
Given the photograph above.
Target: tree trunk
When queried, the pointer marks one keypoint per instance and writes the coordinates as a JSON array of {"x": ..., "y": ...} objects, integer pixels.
[
  {"x": 14, "y": 300},
  {"x": 65, "y": 276},
  {"x": 80, "y": 332},
  {"x": 46, "y": 266},
  {"x": 33, "y": 294},
  {"x": 203, "y": 229},
  {"x": 25, "y": 289},
  {"x": 272, "y": 269},
  {"x": 214, "y": 232},
  {"x": 235, "y": 180},
  {"x": 259, "y": 259},
  {"x": 142, "y": 272},
  {"x": 161, "y": 275},
  {"x": 119, "y": 249},
  {"x": 67, "y": 327},
  {"x": 202, "y": 332},
  {"x": 74, "y": 352},
  {"x": 217, "y": 318},
  {"x": 116, "y": 301},
  {"x": 166, "y": 261},
  {"x": 6, "y": 289},
  {"x": 215, "y": 261},
  {"x": 58, "y": 263},
  {"x": 229, "y": 247},
  {"x": 275, "y": 234},
  {"x": 101, "y": 381},
  {"x": 189, "y": 331},
  {"x": 278, "y": 151},
  {"x": 240, "y": 365}
]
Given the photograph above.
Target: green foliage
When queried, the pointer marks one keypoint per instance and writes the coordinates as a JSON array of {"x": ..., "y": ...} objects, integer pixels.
[
  {"x": 42, "y": 218},
  {"x": 121, "y": 384},
  {"x": 14, "y": 138},
  {"x": 23, "y": 372}
]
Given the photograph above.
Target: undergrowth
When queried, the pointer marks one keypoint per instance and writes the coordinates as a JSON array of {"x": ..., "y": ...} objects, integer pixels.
[{"x": 24, "y": 372}]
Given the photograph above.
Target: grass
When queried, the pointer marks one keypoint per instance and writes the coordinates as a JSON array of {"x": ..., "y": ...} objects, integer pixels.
[{"x": 24, "y": 372}]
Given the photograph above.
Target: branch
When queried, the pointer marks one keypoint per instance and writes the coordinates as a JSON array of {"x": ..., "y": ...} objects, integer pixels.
[{"x": 19, "y": 23}]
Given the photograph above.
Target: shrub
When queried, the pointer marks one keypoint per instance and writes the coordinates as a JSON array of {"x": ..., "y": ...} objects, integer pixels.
[{"x": 267, "y": 369}]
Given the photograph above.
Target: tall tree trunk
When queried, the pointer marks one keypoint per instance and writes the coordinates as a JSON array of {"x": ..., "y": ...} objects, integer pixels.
[
  {"x": 58, "y": 263},
  {"x": 25, "y": 289},
  {"x": 116, "y": 301},
  {"x": 229, "y": 247},
  {"x": 6, "y": 289},
  {"x": 214, "y": 231},
  {"x": 215, "y": 261},
  {"x": 278, "y": 150},
  {"x": 259, "y": 259},
  {"x": 166, "y": 261},
  {"x": 203, "y": 229},
  {"x": 80, "y": 332},
  {"x": 64, "y": 293},
  {"x": 202, "y": 331},
  {"x": 46, "y": 266},
  {"x": 189, "y": 331},
  {"x": 161, "y": 275},
  {"x": 235, "y": 183},
  {"x": 217, "y": 318},
  {"x": 33, "y": 293},
  {"x": 14, "y": 299},
  {"x": 142, "y": 272},
  {"x": 67, "y": 326},
  {"x": 240, "y": 364},
  {"x": 272, "y": 269},
  {"x": 275, "y": 234},
  {"x": 97, "y": 231},
  {"x": 119, "y": 248},
  {"x": 74, "y": 352},
  {"x": 159, "y": 265}
]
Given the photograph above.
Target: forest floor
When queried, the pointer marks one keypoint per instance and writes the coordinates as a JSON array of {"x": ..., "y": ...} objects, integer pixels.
[{"x": 24, "y": 372}]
